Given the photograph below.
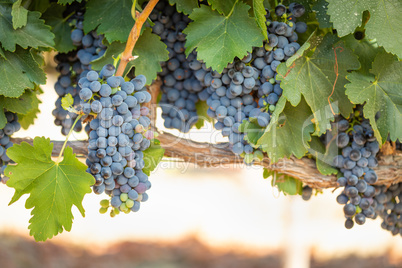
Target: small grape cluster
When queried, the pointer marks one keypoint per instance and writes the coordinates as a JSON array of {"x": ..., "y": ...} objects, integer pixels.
[
  {"x": 74, "y": 65},
  {"x": 359, "y": 148},
  {"x": 180, "y": 88},
  {"x": 9, "y": 129},
  {"x": 247, "y": 89},
  {"x": 388, "y": 206},
  {"x": 119, "y": 135}
]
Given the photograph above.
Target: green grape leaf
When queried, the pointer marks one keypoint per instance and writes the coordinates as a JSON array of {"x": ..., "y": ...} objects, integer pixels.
[
  {"x": 365, "y": 49},
  {"x": 320, "y": 8},
  {"x": 266, "y": 173},
  {"x": 259, "y": 12},
  {"x": 223, "y": 7},
  {"x": 383, "y": 25},
  {"x": 112, "y": 17},
  {"x": 39, "y": 5},
  {"x": 185, "y": 6},
  {"x": 21, "y": 105},
  {"x": 289, "y": 134},
  {"x": 288, "y": 185},
  {"x": 19, "y": 71},
  {"x": 152, "y": 156},
  {"x": 381, "y": 91},
  {"x": 113, "y": 51},
  {"x": 3, "y": 119},
  {"x": 201, "y": 108},
  {"x": 252, "y": 130},
  {"x": 2, "y": 53},
  {"x": 219, "y": 39},
  {"x": 65, "y": 2},
  {"x": 150, "y": 51},
  {"x": 60, "y": 28},
  {"x": 67, "y": 103},
  {"x": 28, "y": 119},
  {"x": 323, "y": 156},
  {"x": 20, "y": 15},
  {"x": 53, "y": 187},
  {"x": 313, "y": 76},
  {"x": 35, "y": 34}
]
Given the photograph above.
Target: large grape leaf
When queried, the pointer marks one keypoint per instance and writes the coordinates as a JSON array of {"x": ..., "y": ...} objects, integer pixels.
[
  {"x": 320, "y": 8},
  {"x": 60, "y": 27},
  {"x": 383, "y": 25},
  {"x": 28, "y": 119},
  {"x": 185, "y": 6},
  {"x": 150, "y": 51},
  {"x": 289, "y": 134},
  {"x": 313, "y": 76},
  {"x": 35, "y": 34},
  {"x": 152, "y": 156},
  {"x": 365, "y": 49},
  {"x": 382, "y": 92},
  {"x": 112, "y": 17},
  {"x": 259, "y": 12},
  {"x": 218, "y": 39},
  {"x": 19, "y": 71},
  {"x": 53, "y": 187},
  {"x": 19, "y": 14}
]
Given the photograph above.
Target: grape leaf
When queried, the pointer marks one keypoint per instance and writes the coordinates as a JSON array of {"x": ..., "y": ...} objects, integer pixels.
[
  {"x": 289, "y": 134},
  {"x": 285, "y": 183},
  {"x": 152, "y": 156},
  {"x": 3, "y": 119},
  {"x": 19, "y": 71},
  {"x": 320, "y": 8},
  {"x": 65, "y": 2},
  {"x": 365, "y": 49},
  {"x": 112, "y": 17},
  {"x": 113, "y": 50},
  {"x": 39, "y": 5},
  {"x": 60, "y": 28},
  {"x": 21, "y": 105},
  {"x": 252, "y": 130},
  {"x": 383, "y": 25},
  {"x": 219, "y": 39},
  {"x": 201, "y": 108},
  {"x": 382, "y": 92},
  {"x": 54, "y": 187},
  {"x": 223, "y": 7},
  {"x": 259, "y": 12},
  {"x": 35, "y": 34},
  {"x": 313, "y": 76},
  {"x": 20, "y": 15},
  {"x": 185, "y": 6},
  {"x": 323, "y": 156},
  {"x": 151, "y": 51},
  {"x": 28, "y": 119}
]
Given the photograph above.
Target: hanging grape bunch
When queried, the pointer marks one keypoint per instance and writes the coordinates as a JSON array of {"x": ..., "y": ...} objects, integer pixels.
[
  {"x": 119, "y": 135},
  {"x": 9, "y": 129}
]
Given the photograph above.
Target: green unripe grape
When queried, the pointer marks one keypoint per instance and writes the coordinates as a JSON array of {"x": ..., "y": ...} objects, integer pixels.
[
  {"x": 243, "y": 154},
  {"x": 123, "y": 197},
  {"x": 103, "y": 210},
  {"x": 358, "y": 209},
  {"x": 272, "y": 81},
  {"x": 116, "y": 211},
  {"x": 104, "y": 203},
  {"x": 127, "y": 211},
  {"x": 267, "y": 47},
  {"x": 123, "y": 207},
  {"x": 112, "y": 214},
  {"x": 258, "y": 155},
  {"x": 129, "y": 203},
  {"x": 272, "y": 107},
  {"x": 248, "y": 158}
]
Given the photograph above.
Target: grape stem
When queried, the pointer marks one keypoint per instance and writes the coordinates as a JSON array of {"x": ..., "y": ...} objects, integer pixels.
[
  {"x": 127, "y": 54},
  {"x": 68, "y": 136}
]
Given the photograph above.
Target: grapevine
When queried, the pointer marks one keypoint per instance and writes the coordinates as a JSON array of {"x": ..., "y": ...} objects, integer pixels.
[{"x": 309, "y": 91}]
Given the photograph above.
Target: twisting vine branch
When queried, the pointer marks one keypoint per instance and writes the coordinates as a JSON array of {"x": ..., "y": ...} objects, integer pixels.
[{"x": 127, "y": 54}]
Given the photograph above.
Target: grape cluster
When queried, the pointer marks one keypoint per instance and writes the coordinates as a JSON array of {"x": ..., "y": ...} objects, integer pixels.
[
  {"x": 247, "y": 88},
  {"x": 10, "y": 128},
  {"x": 119, "y": 135},
  {"x": 180, "y": 87},
  {"x": 359, "y": 148},
  {"x": 388, "y": 205},
  {"x": 74, "y": 65}
]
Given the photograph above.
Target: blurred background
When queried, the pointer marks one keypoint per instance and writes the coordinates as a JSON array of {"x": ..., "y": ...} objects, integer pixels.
[{"x": 196, "y": 217}]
